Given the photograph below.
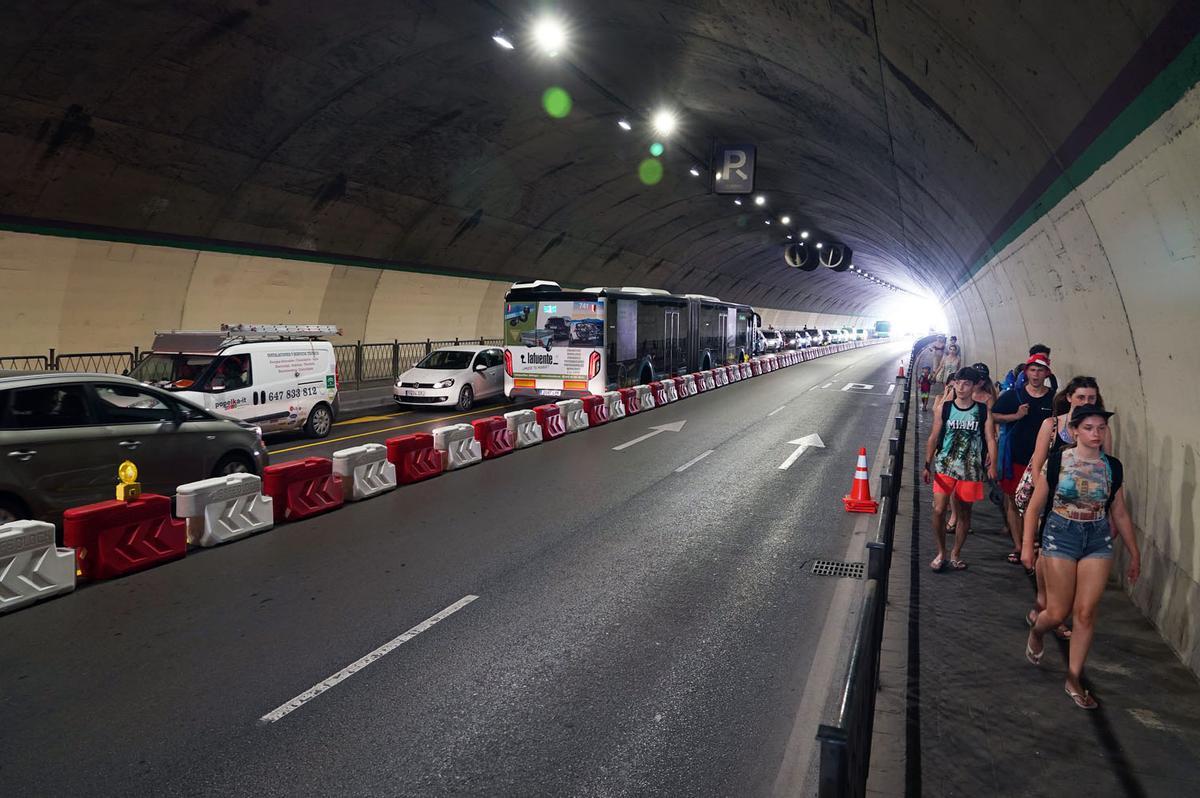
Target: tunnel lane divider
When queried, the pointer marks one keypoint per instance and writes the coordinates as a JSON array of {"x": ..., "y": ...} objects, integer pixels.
[{"x": 117, "y": 537}]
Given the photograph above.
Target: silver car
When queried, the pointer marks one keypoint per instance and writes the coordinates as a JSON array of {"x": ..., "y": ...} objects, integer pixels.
[{"x": 63, "y": 435}]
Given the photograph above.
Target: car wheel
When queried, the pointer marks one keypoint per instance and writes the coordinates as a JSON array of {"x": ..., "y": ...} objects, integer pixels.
[
  {"x": 12, "y": 510},
  {"x": 233, "y": 463},
  {"x": 466, "y": 398},
  {"x": 320, "y": 421}
]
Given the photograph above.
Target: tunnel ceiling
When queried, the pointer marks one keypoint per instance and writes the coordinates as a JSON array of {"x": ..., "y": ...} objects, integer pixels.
[{"x": 399, "y": 132}]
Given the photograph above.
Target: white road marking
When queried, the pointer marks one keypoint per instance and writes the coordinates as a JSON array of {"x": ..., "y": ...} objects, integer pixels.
[
  {"x": 693, "y": 461},
  {"x": 776, "y": 410},
  {"x": 815, "y": 387},
  {"x": 826, "y": 385},
  {"x": 807, "y": 442},
  {"x": 891, "y": 388},
  {"x": 674, "y": 426},
  {"x": 345, "y": 673},
  {"x": 857, "y": 386}
]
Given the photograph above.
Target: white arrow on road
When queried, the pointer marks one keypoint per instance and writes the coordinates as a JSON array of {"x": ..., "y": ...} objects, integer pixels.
[
  {"x": 674, "y": 426},
  {"x": 807, "y": 442}
]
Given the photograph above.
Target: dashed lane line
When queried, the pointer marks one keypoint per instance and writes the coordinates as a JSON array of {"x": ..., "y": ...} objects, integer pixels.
[
  {"x": 776, "y": 410},
  {"x": 693, "y": 461},
  {"x": 283, "y": 710}
]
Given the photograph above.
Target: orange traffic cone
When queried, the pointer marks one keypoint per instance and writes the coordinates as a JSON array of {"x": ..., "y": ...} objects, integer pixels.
[
  {"x": 900, "y": 373},
  {"x": 859, "y": 500}
]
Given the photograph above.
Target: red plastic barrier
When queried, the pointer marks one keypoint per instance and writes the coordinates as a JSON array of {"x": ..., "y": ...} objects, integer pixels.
[
  {"x": 493, "y": 436},
  {"x": 596, "y": 409},
  {"x": 755, "y": 368},
  {"x": 303, "y": 488},
  {"x": 414, "y": 457},
  {"x": 114, "y": 537},
  {"x": 679, "y": 389},
  {"x": 730, "y": 375},
  {"x": 551, "y": 422},
  {"x": 698, "y": 378},
  {"x": 660, "y": 393},
  {"x": 630, "y": 400}
]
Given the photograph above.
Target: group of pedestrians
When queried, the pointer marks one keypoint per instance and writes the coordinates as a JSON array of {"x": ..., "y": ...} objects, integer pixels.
[{"x": 1050, "y": 454}]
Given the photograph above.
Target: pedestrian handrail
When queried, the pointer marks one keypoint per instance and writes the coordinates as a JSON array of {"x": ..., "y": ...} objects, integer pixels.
[
  {"x": 359, "y": 364},
  {"x": 845, "y": 745}
]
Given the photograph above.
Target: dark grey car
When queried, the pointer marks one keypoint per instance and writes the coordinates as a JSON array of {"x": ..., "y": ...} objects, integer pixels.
[{"x": 62, "y": 437}]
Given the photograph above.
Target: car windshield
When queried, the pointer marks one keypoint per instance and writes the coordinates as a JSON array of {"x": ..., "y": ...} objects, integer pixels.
[
  {"x": 173, "y": 372},
  {"x": 447, "y": 360},
  {"x": 771, "y": 334}
]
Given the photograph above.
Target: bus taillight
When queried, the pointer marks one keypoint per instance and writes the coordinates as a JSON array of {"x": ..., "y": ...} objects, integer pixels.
[
  {"x": 593, "y": 365},
  {"x": 508, "y": 362}
]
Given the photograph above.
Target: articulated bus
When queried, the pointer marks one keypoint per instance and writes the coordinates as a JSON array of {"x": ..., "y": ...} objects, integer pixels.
[{"x": 570, "y": 344}]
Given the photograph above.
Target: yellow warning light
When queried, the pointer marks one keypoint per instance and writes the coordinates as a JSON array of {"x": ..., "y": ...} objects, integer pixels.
[{"x": 128, "y": 489}]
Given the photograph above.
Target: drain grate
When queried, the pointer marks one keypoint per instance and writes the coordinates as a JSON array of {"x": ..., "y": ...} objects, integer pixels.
[{"x": 849, "y": 570}]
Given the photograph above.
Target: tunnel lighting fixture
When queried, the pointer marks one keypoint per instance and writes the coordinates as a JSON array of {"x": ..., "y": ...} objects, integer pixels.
[
  {"x": 789, "y": 236},
  {"x": 819, "y": 245},
  {"x": 550, "y": 35},
  {"x": 804, "y": 234},
  {"x": 499, "y": 38},
  {"x": 785, "y": 220},
  {"x": 766, "y": 221},
  {"x": 624, "y": 125},
  {"x": 737, "y": 202},
  {"x": 760, "y": 200},
  {"x": 664, "y": 122},
  {"x": 694, "y": 171}
]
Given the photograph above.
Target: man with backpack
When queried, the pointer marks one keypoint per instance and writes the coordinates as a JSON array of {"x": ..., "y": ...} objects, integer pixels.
[
  {"x": 961, "y": 450},
  {"x": 1020, "y": 411}
]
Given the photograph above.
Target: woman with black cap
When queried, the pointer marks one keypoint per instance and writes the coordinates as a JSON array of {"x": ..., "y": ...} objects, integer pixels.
[{"x": 1076, "y": 502}]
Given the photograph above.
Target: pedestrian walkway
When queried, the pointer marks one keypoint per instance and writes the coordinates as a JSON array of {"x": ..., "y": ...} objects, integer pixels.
[{"x": 961, "y": 712}]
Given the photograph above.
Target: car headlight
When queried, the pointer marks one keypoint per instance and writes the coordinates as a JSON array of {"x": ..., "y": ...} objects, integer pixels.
[{"x": 443, "y": 384}]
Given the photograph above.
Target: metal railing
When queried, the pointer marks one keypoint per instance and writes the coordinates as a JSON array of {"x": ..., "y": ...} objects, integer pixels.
[
  {"x": 359, "y": 364},
  {"x": 845, "y": 754}
]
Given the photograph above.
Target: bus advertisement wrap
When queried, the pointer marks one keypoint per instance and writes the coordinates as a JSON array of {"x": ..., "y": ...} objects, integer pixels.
[{"x": 555, "y": 340}]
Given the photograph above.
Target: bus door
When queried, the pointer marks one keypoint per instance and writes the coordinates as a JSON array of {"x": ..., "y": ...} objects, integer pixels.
[
  {"x": 672, "y": 362},
  {"x": 723, "y": 318}
]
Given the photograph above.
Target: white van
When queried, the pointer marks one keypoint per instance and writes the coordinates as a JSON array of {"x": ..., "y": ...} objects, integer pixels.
[{"x": 276, "y": 376}]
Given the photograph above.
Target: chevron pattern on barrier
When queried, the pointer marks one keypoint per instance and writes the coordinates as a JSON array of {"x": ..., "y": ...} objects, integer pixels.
[
  {"x": 493, "y": 437},
  {"x": 415, "y": 457},
  {"x": 596, "y": 408},
  {"x": 573, "y": 415},
  {"x": 523, "y": 426},
  {"x": 365, "y": 470},
  {"x": 615, "y": 405},
  {"x": 630, "y": 400},
  {"x": 237, "y": 518},
  {"x": 32, "y": 568},
  {"x": 113, "y": 538},
  {"x": 645, "y": 398},
  {"x": 309, "y": 497}
]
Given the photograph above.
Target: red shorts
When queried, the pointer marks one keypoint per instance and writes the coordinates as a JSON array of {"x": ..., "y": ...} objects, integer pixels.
[
  {"x": 969, "y": 492},
  {"x": 1009, "y": 486}
]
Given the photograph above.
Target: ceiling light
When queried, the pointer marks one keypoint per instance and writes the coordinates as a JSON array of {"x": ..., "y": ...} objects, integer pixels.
[
  {"x": 664, "y": 122},
  {"x": 737, "y": 202},
  {"x": 549, "y": 34},
  {"x": 804, "y": 234},
  {"x": 695, "y": 172},
  {"x": 786, "y": 220},
  {"x": 624, "y": 125},
  {"x": 819, "y": 245},
  {"x": 766, "y": 221},
  {"x": 789, "y": 236},
  {"x": 499, "y": 38},
  {"x": 760, "y": 200}
]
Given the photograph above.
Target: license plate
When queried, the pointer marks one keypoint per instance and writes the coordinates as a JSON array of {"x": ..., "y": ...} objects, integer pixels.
[
  {"x": 414, "y": 393},
  {"x": 549, "y": 392}
]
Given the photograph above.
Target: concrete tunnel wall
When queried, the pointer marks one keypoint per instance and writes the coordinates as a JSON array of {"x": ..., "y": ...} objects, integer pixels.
[
  {"x": 1108, "y": 278},
  {"x": 82, "y": 295}
]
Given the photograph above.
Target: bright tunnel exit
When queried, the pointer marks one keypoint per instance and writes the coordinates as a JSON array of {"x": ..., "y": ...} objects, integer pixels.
[{"x": 914, "y": 315}]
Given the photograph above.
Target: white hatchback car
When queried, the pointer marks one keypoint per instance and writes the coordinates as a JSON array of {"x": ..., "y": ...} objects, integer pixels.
[{"x": 455, "y": 376}]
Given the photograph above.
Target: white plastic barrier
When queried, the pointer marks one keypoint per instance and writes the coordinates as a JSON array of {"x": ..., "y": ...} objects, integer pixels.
[
  {"x": 720, "y": 376},
  {"x": 709, "y": 381},
  {"x": 523, "y": 426},
  {"x": 689, "y": 385},
  {"x": 733, "y": 373},
  {"x": 458, "y": 446},
  {"x": 645, "y": 397},
  {"x": 365, "y": 469},
  {"x": 32, "y": 568},
  {"x": 745, "y": 369},
  {"x": 573, "y": 414},
  {"x": 616, "y": 408},
  {"x": 671, "y": 391},
  {"x": 222, "y": 509}
]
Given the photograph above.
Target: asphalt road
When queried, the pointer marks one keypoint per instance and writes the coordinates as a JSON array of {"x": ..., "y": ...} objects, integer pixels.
[{"x": 642, "y": 626}]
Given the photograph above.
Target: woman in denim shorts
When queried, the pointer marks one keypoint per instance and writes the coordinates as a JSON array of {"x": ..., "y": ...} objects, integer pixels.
[{"x": 1077, "y": 542}]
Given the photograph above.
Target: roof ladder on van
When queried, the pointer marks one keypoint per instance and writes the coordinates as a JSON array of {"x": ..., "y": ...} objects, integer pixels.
[{"x": 275, "y": 330}]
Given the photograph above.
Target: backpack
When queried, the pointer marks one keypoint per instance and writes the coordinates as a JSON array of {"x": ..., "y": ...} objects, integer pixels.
[
  {"x": 1116, "y": 477},
  {"x": 981, "y": 413}
]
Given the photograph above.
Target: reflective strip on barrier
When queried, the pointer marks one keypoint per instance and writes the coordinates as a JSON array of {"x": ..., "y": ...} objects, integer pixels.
[
  {"x": 112, "y": 538},
  {"x": 458, "y": 446},
  {"x": 415, "y": 457},
  {"x": 524, "y": 428},
  {"x": 572, "y": 412},
  {"x": 630, "y": 400},
  {"x": 32, "y": 567},
  {"x": 365, "y": 469},
  {"x": 222, "y": 509}
]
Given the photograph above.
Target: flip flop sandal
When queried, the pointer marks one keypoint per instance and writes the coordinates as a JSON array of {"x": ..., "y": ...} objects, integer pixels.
[
  {"x": 937, "y": 565},
  {"x": 958, "y": 565},
  {"x": 1082, "y": 700},
  {"x": 1035, "y": 658},
  {"x": 1031, "y": 618},
  {"x": 1014, "y": 558}
]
